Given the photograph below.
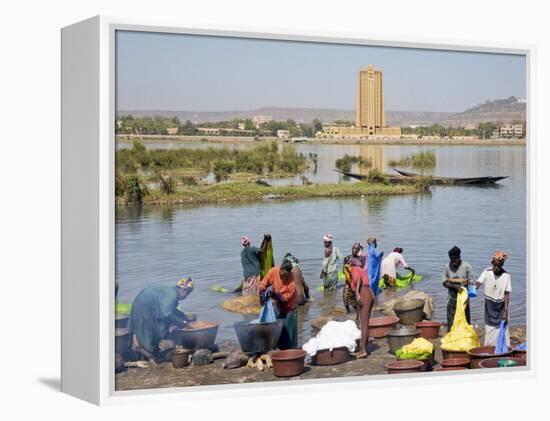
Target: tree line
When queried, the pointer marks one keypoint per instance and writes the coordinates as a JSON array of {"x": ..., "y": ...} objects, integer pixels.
[{"x": 159, "y": 125}]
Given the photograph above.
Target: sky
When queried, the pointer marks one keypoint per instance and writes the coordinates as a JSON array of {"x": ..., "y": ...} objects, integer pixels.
[{"x": 156, "y": 71}]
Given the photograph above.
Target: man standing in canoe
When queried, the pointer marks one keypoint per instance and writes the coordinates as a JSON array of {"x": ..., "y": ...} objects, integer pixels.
[
  {"x": 457, "y": 274},
  {"x": 154, "y": 313},
  {"x": 497, "y": 287},
  {"x": 251, "y": 261},
  {"x": 283, "y": 291},
  {"x": 329, "y": 268}
]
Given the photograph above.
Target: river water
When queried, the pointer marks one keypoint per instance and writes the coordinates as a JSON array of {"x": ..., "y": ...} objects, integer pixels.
[{"x": 161, "y": 244}]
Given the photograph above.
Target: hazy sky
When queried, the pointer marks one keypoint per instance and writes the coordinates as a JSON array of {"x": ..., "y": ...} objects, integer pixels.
[{"x": 183, "y": 72}]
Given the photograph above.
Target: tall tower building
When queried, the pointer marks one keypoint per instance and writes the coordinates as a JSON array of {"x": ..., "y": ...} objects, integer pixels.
[{"x": 369, "y": 113}]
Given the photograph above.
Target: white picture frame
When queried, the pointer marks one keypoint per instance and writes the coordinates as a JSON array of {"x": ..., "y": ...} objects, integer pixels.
[{"x": 88, "y": 255}]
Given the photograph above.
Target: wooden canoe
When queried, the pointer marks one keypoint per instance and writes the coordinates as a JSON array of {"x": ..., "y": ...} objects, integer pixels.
[{"x": 408, "y": 177}]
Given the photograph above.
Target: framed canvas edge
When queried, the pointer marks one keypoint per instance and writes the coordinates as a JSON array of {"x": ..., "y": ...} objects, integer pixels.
[{"x": 108, "y": 26}]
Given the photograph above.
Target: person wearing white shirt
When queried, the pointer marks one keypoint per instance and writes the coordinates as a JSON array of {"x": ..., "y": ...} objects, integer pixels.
[
  {"x": 390, "y": 264},
  {"x": 497, "y": 285}
]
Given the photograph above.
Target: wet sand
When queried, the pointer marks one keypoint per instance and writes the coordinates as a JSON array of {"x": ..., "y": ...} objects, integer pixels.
[{"x": 214, "y": 374}]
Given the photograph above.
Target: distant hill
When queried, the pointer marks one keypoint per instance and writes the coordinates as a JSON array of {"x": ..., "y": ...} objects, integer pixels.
[
  {"x": 498, "y": 110},
  {"x": 300, "y": 115},
  {"x": 505, "y": 110}
]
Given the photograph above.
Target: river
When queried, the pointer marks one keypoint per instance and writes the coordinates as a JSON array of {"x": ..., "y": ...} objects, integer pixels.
[{"x": 161, "y": 244}]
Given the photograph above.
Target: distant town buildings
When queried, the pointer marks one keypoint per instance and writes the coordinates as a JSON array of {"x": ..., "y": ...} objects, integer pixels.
[
  {"x": 511, "y": 131},
  {"x": 261, "y": 119},
  {"x": 209, "y": 130},
  {"x": 283, "y": 134},
  {"x": 369, "y": 112},
  {"x": 172, "y": 130}
]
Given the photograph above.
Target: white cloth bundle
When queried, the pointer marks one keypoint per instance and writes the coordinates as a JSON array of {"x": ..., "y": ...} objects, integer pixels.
[{"x": 334, "y": 335}]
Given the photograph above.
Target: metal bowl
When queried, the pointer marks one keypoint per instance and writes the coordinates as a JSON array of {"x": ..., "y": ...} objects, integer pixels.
[
  {"x": 258, "y": 337},
  {"x": 400, "y": 337},
  {"x": 196, "y": 335},
  {"x": 409, "y": 311}
]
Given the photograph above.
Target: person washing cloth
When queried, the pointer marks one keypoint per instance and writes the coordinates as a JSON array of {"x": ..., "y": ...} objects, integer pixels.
[
  {"x": 497, "y": 287},
  {"x": 283, "y": 291},
  {"x": 456, "y": 275},
  {"x": 329, "y": 268},
  {"x": 154, "y": 314},
  {"x": 390, "y": 263}
]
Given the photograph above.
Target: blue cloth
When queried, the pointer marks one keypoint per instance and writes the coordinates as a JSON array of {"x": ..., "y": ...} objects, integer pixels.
[
  {"x": 374, "y": 262},
  {"x": 267, "y": 314},
  {"x": 150, "y": 311},
  {"x": 522, "y": 346},
  {"x": 501, "y": 346}
]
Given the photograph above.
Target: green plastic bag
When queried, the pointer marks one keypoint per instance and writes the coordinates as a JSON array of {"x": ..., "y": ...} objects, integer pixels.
[
  {"x": 402, "y": 281},
  {"x": 123, "y": 308}
]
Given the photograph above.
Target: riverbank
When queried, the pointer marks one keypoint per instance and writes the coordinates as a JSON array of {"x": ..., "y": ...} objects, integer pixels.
[
  {"x": 250, "y": 192},
  {"x": 215, "y": 374},
  {"x": 155, "y": 139}
]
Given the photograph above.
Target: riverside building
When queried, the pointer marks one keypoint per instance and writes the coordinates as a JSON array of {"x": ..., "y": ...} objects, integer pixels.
[{"x": 369, "y": 111}]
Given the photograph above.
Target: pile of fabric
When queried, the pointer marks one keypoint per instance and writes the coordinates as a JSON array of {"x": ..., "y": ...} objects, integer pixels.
[
  {"x": 386, "y": 307},
  {"x": 419, "y": 349},
  {"x": 462, "y": 336},
  {"x": 244, "y": 304},
  {"x": 334, "y": 335}
]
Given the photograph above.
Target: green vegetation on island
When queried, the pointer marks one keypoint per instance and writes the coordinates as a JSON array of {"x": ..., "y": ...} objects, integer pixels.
[
  {"x": 347, "y": 161},
  {"x": 163, "y": 176},
  {"x": 246, "y": 191},
  {"x": 422, "y": 159}
]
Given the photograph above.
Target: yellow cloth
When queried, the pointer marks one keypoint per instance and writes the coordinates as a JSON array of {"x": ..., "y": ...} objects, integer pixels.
[
  {"x": 419, "y": 346},
  {"x": 462, "y": 336}
]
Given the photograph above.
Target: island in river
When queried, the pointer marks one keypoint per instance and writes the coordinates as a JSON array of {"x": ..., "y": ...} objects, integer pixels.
[{"x": 180, "y": 176}]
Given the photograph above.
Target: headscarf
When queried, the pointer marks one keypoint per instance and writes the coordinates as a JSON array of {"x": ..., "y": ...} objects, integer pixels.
[
  {"x": 357, "y": 244},
  {"x": 327, "y": 237},
  {"x": 245, "y": 240},
  {"x": 185, "y": 283},
  {"x": 500, "y": 256},
  {"x": 454, "y": 252},
  {"x": 290, "y": 257}
]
